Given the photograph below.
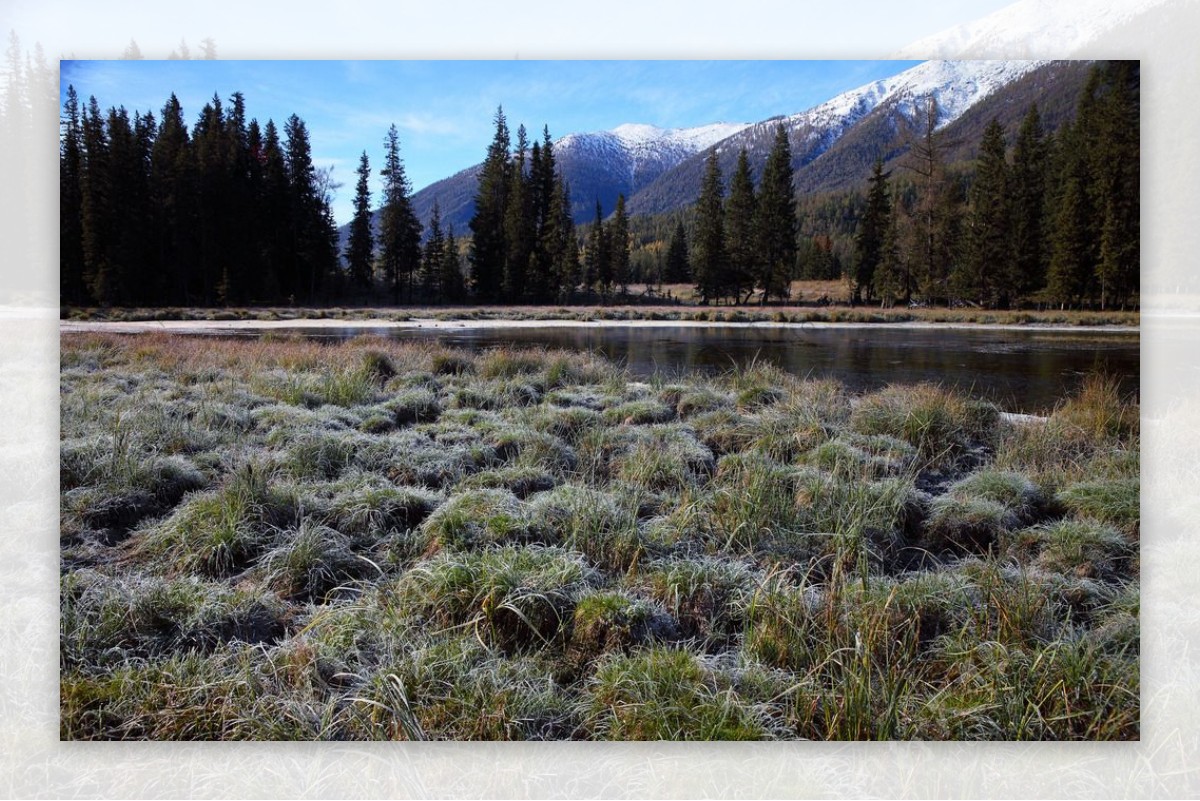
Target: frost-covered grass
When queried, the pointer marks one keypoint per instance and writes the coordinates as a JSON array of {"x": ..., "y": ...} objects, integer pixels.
[{"x": 281, "y": 539}]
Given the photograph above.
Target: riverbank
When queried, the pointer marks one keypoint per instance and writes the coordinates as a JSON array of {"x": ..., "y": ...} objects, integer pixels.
[
  {"x": 372, "y": 539},
  {"x": 201, "y": 326},
  {"x": 623, "y": 314}
]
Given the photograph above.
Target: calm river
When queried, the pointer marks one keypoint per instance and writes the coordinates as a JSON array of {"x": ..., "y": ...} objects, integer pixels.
[{"x": 1020, "y": 370}]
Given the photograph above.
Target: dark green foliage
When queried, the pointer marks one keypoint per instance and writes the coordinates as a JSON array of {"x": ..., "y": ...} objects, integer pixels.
[
  {"x": 677, "y": 270},
  {"x": 708, "y": 246},
  {"x": 776, "y": 221},
  {"x": 872, "y": 230},
  {"x": 399, "y": 230},
  {"x": 986, "y": 276},
  {"x": 488, "y": 245},
  {"x": 740, "y": 210},
  {"x": 360, "y": 250}
]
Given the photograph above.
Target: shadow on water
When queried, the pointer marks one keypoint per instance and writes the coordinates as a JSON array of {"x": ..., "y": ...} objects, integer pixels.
[{"x": 1022, "y": 371}]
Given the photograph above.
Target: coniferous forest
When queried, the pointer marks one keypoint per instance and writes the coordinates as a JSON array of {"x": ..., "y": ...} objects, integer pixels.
[{"x": 226, "y": 211}]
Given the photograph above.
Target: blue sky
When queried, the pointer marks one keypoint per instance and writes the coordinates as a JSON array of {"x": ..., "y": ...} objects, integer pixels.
[{"x": 444, "y": 110}]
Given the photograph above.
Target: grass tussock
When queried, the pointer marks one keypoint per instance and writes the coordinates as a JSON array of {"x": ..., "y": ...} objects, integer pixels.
[{"x": 283, "y": 539}]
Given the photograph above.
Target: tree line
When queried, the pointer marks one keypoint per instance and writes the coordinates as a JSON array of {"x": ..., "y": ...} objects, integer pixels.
[
  {"x": 232, "y": 213},
  {"x": 1052, "y": 220},
  {"x": 152, "y": 214}
]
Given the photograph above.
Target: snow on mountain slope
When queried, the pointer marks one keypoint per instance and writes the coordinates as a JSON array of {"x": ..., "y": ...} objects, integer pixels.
[
  {"x": 639, "y": 153},
  {"x": 956, "y": 85}
]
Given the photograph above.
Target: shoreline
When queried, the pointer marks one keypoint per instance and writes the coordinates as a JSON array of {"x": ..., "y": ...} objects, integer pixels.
[{"x": 428, "y": 324}]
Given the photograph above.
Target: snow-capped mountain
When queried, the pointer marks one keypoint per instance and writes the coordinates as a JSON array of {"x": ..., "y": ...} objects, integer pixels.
[
  {"x": 601, "y": 166},
  {"x": 881, "y": 105},
  {"x": 833, "y": 143},
  {"x": 598, "y": 166}
]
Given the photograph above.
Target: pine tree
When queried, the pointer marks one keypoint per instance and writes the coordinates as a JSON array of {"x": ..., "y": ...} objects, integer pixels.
[
  {"x": 987, "y": 275},
  {"x": 618, "y": 246},
  {"x": 677, "y": 270},
  {"x": 566, "y": 267},
  {"x": 70, "y": 209},
  {"x": 277, "y": 238},
  {"x": 1028, "y": 194},
  {"x": 450, "y": 277},
  {"x": 890, "y": 280},
  {"x": 708, "y": 248},
  {"x": 96, "y": 207},
  {"x": 399, "y": 229},
  {"x": 1073, "y": 249},
  {"x": 488, "y": 245},
  {"x": 872, "y": 228},
  {"x": 315, "y": 253},
  {"x": 1116, "y": 183},
  {"x": 740, "y": 241},
  {"x": 776, "y": 221},
  {"x": 934, "y": 217},
  {"x": 360, "y": 249},
  {"x": 433, "y": 257},
  {"x": 598, "y": 265},
  {"x": 518, "y": 228}
]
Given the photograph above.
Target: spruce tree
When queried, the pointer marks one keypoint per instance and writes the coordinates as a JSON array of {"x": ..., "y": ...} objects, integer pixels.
[
  {"x": 708, "y": 248},
  {"x": 433, "y": 257},
  {"x": 518, "y": 228},
  {"x": 677, "y": 270},
  {"x": 987, "y": 275},
  {"x": 598, "y": 265},
  {"x": 70, "y": 209},
  {"x": 450, "y": 277},
  {"x": 776, "y": 221},
  {"x": 740, "y": 241},
  {"x": 399, "y": 229},
  {"x": 488, "y": 245},
  {"x": 872, "y": 228},
  {"x": 360, "y": 249},
  {"x": 96, "y": 207},
  {"x": 566, "y": 267},
  {"x": 1028, "y": 194},
  {"x": 934, "y": 230},
  {"x": 618, "y": 246}
]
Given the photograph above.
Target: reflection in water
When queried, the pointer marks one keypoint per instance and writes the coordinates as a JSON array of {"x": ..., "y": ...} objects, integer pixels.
[{"x": 1025, "y": 371}]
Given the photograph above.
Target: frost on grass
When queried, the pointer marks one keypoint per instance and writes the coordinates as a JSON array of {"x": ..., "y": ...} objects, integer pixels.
[{"x": 279, "y": 539}]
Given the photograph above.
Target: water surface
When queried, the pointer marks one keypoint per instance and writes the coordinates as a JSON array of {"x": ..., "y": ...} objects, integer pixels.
[{"x": 1020, "y": 370}]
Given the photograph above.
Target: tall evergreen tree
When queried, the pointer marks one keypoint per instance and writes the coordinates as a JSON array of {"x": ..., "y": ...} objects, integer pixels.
[
  {"x": 776, "y": 220},
  {"x": 488, "y": 245},
  {"x": 618, "y": 246},
  {"x": 676, "y": 270},
  {"x": 399, "y": 229},
  {"x": 872, "y": 228},
  {"x": 934, "y": 216},
  {"x": 1072, "y": 248},
  {"x": 1116, "y": 182},
  {"x": 598, "y": 264},
  {"x": 276, "y": 212},
  {"x": 96, "y": 207},
  {"x": 315, "y": 253},
  {"x": 433, "y": 257},
  {"x": 566, "y": 265},
  {"x": 360, "y": 249},
  {"x": 740, "y": 211},
  {"x": 708, "y": 248},
  {"x": 70, "y": 209},
  {"x": 1027, "y": 191},
  {"x": 518, "y": 224},
  {"x": 987, "y": 275},
  {"x": 450, "y": 278}
]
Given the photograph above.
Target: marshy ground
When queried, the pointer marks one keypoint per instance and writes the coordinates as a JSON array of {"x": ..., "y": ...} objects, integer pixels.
[{"x": 282, "y": 539}]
